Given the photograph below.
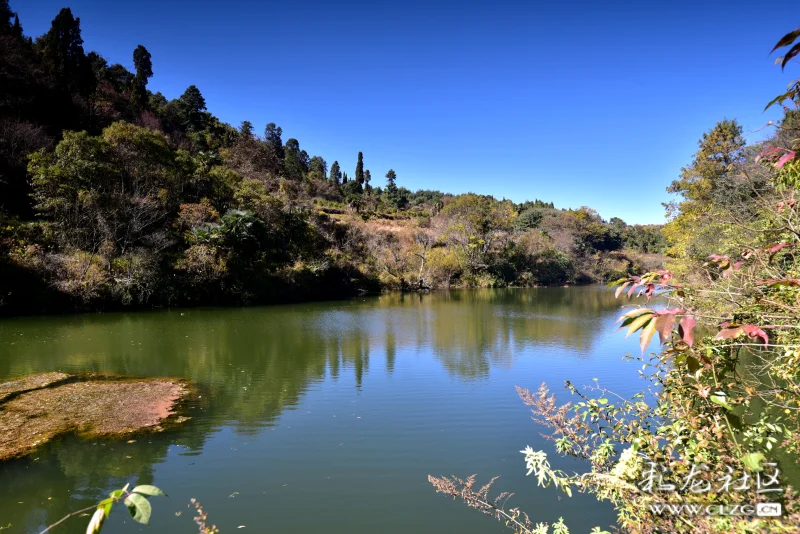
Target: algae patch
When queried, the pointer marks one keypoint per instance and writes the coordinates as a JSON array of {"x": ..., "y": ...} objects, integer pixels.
[{"x": 35, "y": 409}]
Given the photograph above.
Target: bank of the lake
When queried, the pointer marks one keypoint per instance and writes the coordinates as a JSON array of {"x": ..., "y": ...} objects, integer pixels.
[{"x": 323, "y": 416}]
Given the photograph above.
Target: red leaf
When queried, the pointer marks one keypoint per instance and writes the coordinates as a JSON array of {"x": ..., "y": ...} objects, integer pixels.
[
  {"x": 775, "y": 248},
  {"x": 686, "y": 329},
  {"x": 752, "y": 331},
  {"x": 786, "y": 158},
  {"x": 664, "y": 324},
  {"x": 728, "y": 332},
  {"x": 737, "y": 265},
  {"x": 649, "y": 289},
  {"x": 767, "y": 153},
  {"x": 755, "y": 332},
  {"x": 632, "y": 289}
]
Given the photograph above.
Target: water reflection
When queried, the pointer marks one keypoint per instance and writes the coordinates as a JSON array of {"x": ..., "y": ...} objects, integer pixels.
[{"x": 252, "y": 365}]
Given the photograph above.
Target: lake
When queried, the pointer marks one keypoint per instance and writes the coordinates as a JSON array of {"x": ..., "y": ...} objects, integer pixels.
[{"x": 324, "y": 417}]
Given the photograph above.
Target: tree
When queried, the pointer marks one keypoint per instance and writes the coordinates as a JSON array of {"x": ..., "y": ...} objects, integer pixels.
[
  {"x": 272, "y": 137},
  {"x": 16, "y": 29},
  {"x": 317, "y": 168},
  {"x": 392, "y": 193},
  {"x": 295, "y": 164},
  {"x": 192, "y": 109},
  {"x": 246, "y": 130},
  {"x": 703, "y": 187},
  {"x": 5, "y": 18},
  {"x": 591, "y": 233},
  {"x": 336, "y": 173},
  {"x": 144, "y": 71},
  {"x": 360, "y": 169},
  {"x": 477, "y": 225},
  {"x": 367, "y": 178},
  {"x": 344, "y": 178},
  {"x": 63, "y": 57},
  {"x": 528, "y": 220}
]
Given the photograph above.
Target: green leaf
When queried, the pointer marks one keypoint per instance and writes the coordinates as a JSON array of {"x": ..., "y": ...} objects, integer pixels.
[
  {"x": 779, "y": 99},
  {"x": 139, "y": 507},
  {"x": 106, "y": 505},
  {"x": 603, "y": 400},
  {"x": 638, "y": 323},
  {"x": 116, "y": 494},
  {"x": 753, "y": 461},
  {"x": 720, "y": 399},
  {"x": 148, "y": 490}
]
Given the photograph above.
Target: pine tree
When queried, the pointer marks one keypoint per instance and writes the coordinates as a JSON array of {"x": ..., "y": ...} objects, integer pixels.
[
  {"x": 144, "y": 71},
  {"x": 272, "y": 136},
  {"x": 336, "y": 174},
  {"x": 246, "y": 130},
  {"x": 360, "y": 169},
  {"x": 192, "y": 107},
  {"x": 392, "y": 193},
  {"x": 5, "y": 17},
  {"x": 16, "y": 30},
  {"x": 367, "y": 178},
  {"x": 63, "y": 57}
]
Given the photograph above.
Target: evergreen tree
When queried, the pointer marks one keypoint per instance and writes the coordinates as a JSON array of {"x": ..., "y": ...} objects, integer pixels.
[
  {"x": 191, "y": 109},
  {"x": 144, "y": 71},
  {"x": 317, "y": 168},
  {"x": 246, "y": 130},
  {"x": 16, "y": 30},
  {"x": 296, "y": 161},
  {"x": 360, "y": 169},
  {"x": 272, "y": 136},
  {"x": 392, "y": 192},
  {"x": 63, "y": 57},
  {"x": 367, "y": 178},
  {"x": 5, "y": 18},
  {"x": 344, "y": 178},
  {"x": 336, "y": 173}
]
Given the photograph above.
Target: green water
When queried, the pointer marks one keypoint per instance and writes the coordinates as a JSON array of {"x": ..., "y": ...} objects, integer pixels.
[{"x": 323, "y": 417}]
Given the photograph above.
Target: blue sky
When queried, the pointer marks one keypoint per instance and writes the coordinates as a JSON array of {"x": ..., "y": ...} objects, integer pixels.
[{"x": 596, "y": 104}]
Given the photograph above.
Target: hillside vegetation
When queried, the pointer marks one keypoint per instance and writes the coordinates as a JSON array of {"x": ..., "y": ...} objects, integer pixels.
[{"x": 112, "y": 195}]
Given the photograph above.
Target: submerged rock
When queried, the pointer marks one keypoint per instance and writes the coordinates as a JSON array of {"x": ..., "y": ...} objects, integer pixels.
[{"x": 35, "y": 409}]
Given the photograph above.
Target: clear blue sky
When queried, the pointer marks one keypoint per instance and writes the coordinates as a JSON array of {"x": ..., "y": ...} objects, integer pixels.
[{"x": 595, "y": 103}]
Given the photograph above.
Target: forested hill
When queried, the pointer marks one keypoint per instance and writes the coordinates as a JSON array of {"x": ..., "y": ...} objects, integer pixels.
[{"x": 111, "y": 195}]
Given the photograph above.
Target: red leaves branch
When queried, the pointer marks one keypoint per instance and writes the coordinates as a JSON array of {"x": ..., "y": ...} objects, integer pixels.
[
  {"x": 661, "y": 321},
  {"x": 731, "y": 331}
]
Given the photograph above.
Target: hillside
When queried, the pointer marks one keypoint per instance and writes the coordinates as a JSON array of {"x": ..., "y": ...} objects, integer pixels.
[{"x": 113, "y": 196}]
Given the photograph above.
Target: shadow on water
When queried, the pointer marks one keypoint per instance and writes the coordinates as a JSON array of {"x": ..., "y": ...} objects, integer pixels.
[{"x": 351, "y": 403}]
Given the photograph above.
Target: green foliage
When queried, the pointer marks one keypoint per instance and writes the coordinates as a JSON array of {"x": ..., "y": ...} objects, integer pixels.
[
  {"x": 360, "y": 170},
  {"x": 121, "y": 197},
  {"x": 394, "y": 197},
  {"x": 136, "y": 500},
  {"x": 528, "y": 219},
  {"x": 191, "y": 108}
]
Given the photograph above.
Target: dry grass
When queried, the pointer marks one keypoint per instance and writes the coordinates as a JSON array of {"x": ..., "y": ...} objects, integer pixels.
[
  {"x": 27, "y": 383},
  {"x": 35, "y": 409}
]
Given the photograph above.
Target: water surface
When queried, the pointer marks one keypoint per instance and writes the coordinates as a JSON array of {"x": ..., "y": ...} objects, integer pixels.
[{"x": 323, "y": 417}]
